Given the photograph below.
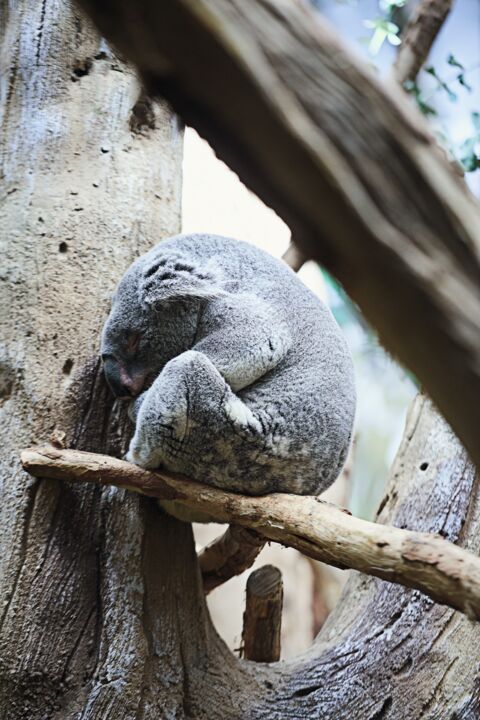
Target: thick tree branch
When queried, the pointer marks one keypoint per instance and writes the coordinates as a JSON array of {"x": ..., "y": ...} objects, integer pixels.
[
  {"x": 347, "y": 162},
  {"x": 419, "y": 36},
  {"x": 443, "y": 571}
]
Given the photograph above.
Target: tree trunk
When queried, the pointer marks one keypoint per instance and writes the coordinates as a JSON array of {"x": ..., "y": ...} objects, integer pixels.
[
  {"x": 90, "y": 626},
  {"x": 102, "y": 612}
]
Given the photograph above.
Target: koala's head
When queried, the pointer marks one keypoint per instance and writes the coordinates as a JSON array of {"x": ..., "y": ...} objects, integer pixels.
[{"x": 154, "y": 317}]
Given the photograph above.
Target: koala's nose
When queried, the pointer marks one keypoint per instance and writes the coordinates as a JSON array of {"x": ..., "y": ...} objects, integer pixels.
[{"x": 121, "y": 384}]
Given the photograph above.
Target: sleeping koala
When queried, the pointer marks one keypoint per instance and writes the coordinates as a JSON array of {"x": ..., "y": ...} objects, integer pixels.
[{"x": 239, "y": 376}]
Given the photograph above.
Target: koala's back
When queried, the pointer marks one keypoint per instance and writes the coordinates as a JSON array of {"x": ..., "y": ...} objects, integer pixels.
[{"x": 306, "y": 404}]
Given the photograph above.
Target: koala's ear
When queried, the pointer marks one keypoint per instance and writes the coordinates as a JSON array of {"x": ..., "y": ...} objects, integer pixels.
[{"x": 168, "y": 277}]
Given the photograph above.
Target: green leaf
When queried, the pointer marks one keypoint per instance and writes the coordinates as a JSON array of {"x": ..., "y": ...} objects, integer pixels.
[
  {"x": 476, "y": 122},
  {"x": 451, "y": 60},
  {"x": 382, "y": 30},
  {"x": 470, "y": 163},
  {"x": 388, "y": 5},
  {"x": 463, "y": 82},
  {"x": 412, "y": 88}
]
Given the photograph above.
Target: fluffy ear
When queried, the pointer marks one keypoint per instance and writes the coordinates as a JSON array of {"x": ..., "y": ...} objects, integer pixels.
[{"x": 168, "y": 277}]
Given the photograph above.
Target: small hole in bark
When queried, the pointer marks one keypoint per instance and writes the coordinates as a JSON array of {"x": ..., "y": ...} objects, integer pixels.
[
  {"x": 382, "y": 713},
  {"x": 304, "y": 692},
  {"x": 383, "y": 502},
  {"x": 63, "y": 247},
  {"x": 67, "y": 366},
  {"x": 405, "y": 667},
  {"x": 424, "y": 466},
  {"x": 81, "y": 68}
]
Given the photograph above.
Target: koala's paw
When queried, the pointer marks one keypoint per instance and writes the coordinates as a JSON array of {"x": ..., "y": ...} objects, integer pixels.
[{"x": 137, "y": 455}]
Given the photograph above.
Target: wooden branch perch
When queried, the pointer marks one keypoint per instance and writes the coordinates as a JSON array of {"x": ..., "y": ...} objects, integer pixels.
[
  {"x": 445, "y": 572},
  {"x": 419, "y": 36}
]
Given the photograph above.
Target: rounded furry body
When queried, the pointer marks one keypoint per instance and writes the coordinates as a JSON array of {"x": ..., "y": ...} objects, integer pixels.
[{"x": 252, "y": 387}]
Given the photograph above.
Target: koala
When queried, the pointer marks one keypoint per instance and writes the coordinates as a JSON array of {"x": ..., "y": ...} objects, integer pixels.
[{"x": 237, "y": 374}]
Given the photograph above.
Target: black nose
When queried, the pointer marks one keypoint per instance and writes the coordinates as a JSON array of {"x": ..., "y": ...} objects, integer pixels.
[{"x": 112, "y": 370}]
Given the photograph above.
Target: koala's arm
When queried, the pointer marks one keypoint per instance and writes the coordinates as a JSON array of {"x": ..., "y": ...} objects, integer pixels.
[{"x": 243, "y": 337}]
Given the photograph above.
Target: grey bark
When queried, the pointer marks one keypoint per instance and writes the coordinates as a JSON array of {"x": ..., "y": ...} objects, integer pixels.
[{"x": 103, "y": 615}]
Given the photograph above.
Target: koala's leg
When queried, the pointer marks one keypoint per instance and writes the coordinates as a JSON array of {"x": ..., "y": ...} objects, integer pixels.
[{"x": 190, "y": 419}]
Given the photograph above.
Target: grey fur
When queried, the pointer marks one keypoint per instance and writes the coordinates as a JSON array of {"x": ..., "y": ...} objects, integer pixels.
[{"x": 253, "y": 387}]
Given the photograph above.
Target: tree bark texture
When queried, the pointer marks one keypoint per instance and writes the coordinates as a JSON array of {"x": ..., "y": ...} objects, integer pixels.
[
  {"x": 229, "y": 555},
  {"x": 347, "y": 162}
]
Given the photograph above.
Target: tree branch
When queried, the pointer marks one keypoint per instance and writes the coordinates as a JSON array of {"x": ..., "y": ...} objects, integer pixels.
[
  {"x": 445, "y": 572},
  {"x": 418, "y": 38},
  {"x": 294, "y": 257},
  {"x": 229, "y": 555}
]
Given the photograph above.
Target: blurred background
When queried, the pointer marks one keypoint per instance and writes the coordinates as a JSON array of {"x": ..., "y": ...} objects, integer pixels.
[{"x": 215, "y": 201}]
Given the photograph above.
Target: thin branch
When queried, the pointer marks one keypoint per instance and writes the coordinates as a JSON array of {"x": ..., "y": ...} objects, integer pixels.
[
  {"x": 229, "y": 555},
  {"x": 418, "y": 38},
  {"x": 436, "y": 567},
  {"x": 294, "y": 257}
]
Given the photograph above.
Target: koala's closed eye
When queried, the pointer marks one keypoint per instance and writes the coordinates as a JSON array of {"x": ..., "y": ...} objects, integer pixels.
[
  {"x": 133, "y": 341},
  {"x": 167, "y": 275}
]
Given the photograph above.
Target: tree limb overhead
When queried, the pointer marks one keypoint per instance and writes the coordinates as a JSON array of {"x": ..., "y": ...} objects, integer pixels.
[{"x": 445, "y": 572}]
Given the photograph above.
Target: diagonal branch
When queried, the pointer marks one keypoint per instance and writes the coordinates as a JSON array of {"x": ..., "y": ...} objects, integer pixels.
[
  {"x": 440, "y": 569},
  {"x": 229, "y": 555},
  {"x": 419, "y": 36}
]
